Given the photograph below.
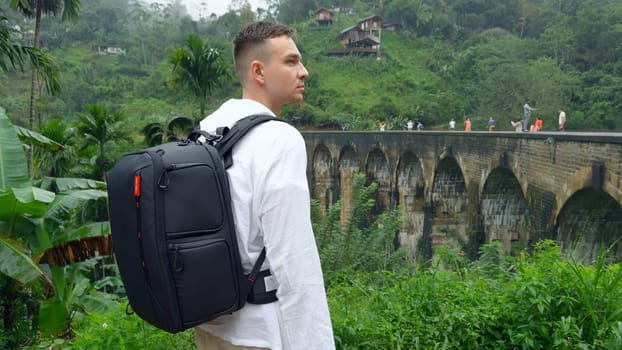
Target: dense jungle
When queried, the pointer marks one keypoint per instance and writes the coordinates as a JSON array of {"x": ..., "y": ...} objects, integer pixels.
[{"x": 84, "y": 81}]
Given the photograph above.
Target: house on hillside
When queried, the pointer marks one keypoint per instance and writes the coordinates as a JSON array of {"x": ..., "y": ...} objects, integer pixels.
[
  {"x": 108, "y": 50},
  {"x": 362, "y": 38},
  {"x": 343, "y": 9},
  {"x": 323, "y": 17}
]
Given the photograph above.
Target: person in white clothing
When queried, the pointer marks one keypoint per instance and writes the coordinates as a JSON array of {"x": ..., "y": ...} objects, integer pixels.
[
  {"x": 271, "y": 202},
  {"x": 561, "y": 120}
]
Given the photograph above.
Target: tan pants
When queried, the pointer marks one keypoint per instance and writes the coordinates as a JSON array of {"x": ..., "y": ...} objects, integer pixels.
[{"x": 206, "y": 341}]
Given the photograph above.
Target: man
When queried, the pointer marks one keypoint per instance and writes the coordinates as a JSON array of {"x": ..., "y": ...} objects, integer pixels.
[
  {"x": 271, "y": 203},
  {"x": 562, "y": 120},
  {"x": 452, "y": 124},
  {"x": 527, "y": 110}
]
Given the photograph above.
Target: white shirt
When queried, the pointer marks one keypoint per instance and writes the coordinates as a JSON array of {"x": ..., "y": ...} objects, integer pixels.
[
  {"x": 271, "y": 205},
  {"x": 562, "y": 117}
]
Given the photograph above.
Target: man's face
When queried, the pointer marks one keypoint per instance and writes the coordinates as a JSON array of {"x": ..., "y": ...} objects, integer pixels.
[{"x": 284, "y": 72}]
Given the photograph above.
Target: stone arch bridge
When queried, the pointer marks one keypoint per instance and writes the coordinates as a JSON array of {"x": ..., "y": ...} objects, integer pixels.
[{"x": 464, "y": 189}]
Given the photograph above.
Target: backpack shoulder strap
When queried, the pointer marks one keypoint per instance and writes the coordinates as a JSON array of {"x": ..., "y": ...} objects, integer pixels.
[
  {"x": 232, "y": 136},
  {"x": 255, "y": 293}
]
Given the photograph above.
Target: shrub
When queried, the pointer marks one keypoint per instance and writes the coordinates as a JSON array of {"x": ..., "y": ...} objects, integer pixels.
[
  {"x": 118, "y": 330},
  {"x": 538, "y": 301}
]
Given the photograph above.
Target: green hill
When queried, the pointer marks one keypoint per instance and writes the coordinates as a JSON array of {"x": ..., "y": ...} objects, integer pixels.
[{"x": 453, "y": 62}]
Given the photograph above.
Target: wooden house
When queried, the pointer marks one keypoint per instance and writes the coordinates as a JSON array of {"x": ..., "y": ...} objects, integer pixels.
[
  {"x": 362, "y": 38},
  {"x": 323, "y": 17}
]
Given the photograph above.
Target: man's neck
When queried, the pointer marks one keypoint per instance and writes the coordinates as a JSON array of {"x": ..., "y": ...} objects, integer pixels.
[{"x": 261, "y": 99}]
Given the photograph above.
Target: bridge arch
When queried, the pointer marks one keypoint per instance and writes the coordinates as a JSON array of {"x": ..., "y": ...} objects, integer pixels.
[
  {"x": 410, "y": 189},
  {"x": 587, "y": 177},
  {"x": 349, "y": 166},
  {"x": 588, "y": 219},
  {"x": 321, "y": 181},
  {"x": 503, "y": 210},
  {"x": 449, "y": 202},
  {"x": 377, "y": 170}
]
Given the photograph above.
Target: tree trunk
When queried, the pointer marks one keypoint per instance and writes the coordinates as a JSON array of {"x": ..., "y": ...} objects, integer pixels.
[{"x": 34, "y": 84}]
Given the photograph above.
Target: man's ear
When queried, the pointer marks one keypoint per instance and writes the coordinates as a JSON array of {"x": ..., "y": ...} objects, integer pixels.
[{"x": 257, "y": 71}]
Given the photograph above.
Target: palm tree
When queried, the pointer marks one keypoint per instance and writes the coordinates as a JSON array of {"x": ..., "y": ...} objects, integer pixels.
[
  {"x": 176, "y": 128},
  {"x": 35, "y": 8},
  {"x": 59, "y": 161},
  {"x": 199, "y": 69},
  {"x": 99, "y": 127},
  {"x": 18, "y": 55},
  {"x": 8, "y": 50}
]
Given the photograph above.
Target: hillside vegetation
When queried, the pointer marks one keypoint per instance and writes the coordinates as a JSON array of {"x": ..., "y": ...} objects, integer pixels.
[{"x": 448, "y": 59}]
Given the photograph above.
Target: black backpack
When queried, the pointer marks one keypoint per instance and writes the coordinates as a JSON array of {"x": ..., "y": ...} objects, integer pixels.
[{"x": 173, "y": 232}]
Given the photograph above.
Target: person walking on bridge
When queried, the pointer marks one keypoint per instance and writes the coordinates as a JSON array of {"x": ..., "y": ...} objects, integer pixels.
[
  {"x": 527, "y": 110},
  {"x": 562, "y": 120},
  {"x": 452, "y": 124},
  {"x": 491, "y": 124}
]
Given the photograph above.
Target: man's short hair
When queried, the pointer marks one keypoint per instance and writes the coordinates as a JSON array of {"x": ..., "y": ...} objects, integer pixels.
[{"x": 252, "y": 36}]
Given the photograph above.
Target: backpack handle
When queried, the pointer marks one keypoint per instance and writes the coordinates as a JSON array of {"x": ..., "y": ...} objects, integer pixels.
[{"x": 209, "y": 138}]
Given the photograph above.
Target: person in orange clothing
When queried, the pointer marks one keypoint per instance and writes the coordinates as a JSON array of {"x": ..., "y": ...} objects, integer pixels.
[
  {"x": 467, "y": 124},
  {"x": 538, "y": 123}
]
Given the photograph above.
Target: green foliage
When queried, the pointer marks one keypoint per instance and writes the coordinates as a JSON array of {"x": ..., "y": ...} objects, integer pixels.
[
  {"x": 200, "y": 69},
  {"x": 118, "y": 330},
  {"x": 55, "y": 159},
  {"x": 446, "y": 60},
  {"x": 98, "y": 128},
  {"x": 20, "y": 312},
  {"x": 176, "y": 128},
  {"x": 363, "y": 243},
  {"x": 74, "y": 293},
  {"x": 34, "y": 217},
  {"x": 539, "y": 301},
  {"x": 12, "y": 158},
  {"x": 18, "y": 55}
]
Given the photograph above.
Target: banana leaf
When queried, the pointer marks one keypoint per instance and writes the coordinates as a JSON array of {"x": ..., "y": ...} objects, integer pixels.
[
  {"x": 15, "y": 261},
  {"x": 13, "y": 165},
  {"x": 67, "y": 202},
  {"x": 29, "y": 201},
  {"x": 30, "y": 136},
  {"x": 64, "y": 184}
]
